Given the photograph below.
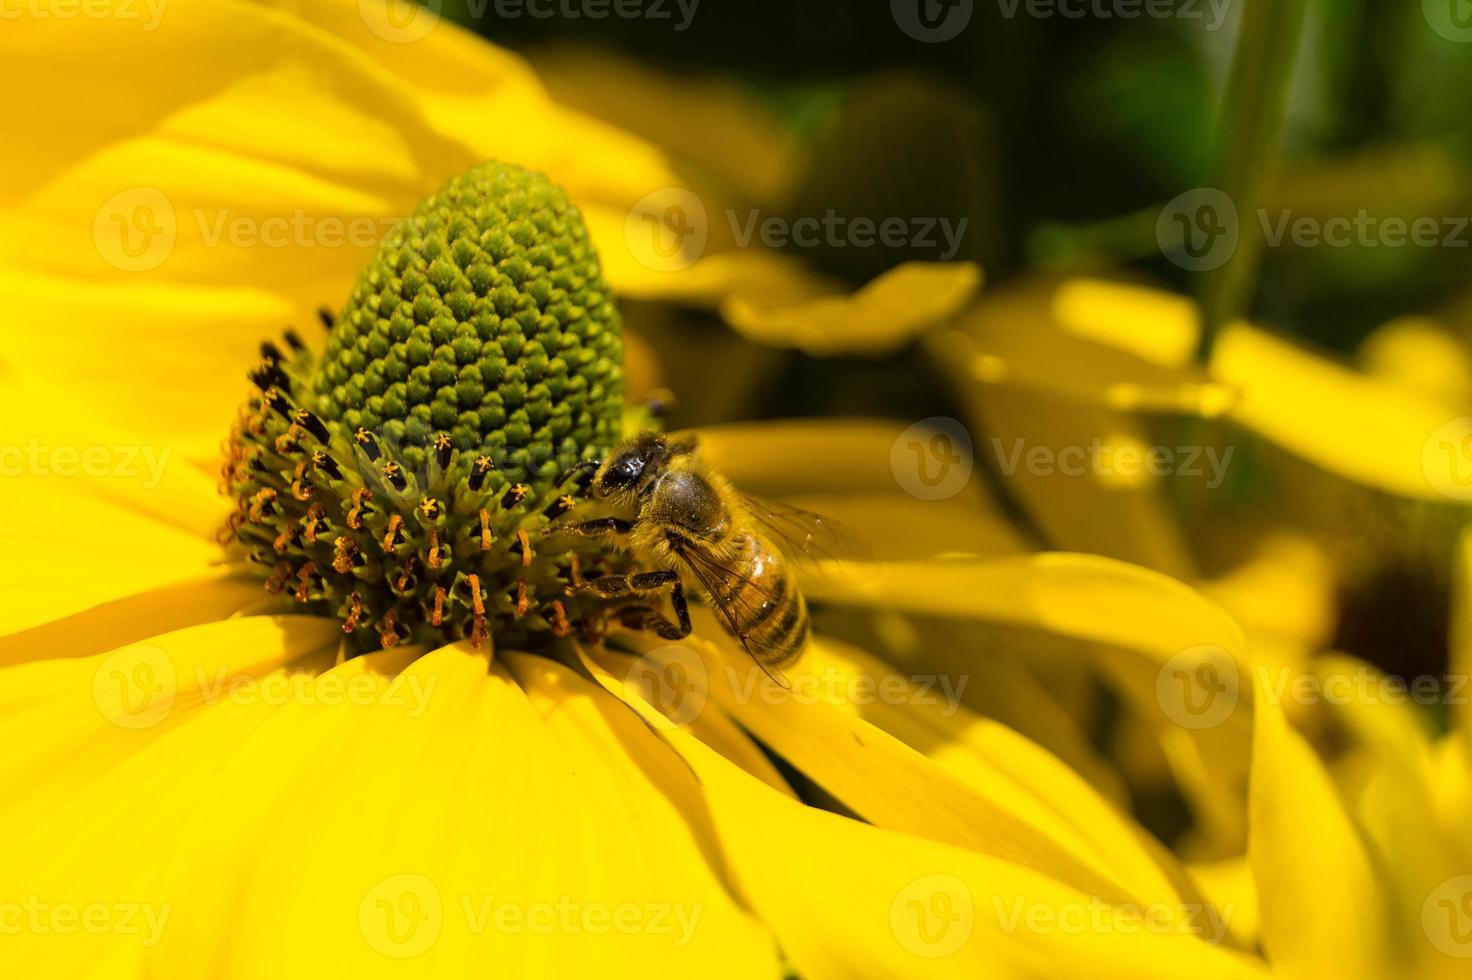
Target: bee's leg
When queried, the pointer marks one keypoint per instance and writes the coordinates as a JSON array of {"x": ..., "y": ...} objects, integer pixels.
[
  {"x": 581, "y": 472},
  {"x": 597, "y": 528},
  {"x": 646, "y": 617}
]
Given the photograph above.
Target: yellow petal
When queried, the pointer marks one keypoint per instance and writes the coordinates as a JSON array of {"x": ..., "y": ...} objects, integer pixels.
[
  {"x": 1083, "y": 597},
  {"x": 382, "y": 817},
  {"x": 72, "y": 551},
  {"x": 1321, "y": 897},
  {"x": 871, "y": 772},
  {"x": 877, "y": 319},
  {"x": 912, "y": 907},
  {"x": 1357, "y": 427}
]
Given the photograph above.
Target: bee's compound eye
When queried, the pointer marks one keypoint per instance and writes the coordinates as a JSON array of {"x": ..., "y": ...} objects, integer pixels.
[{"x": 623, "y": 472}]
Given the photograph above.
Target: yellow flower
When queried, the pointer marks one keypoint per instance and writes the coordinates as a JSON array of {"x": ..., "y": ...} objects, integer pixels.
[{"x": 197, "y": 775}]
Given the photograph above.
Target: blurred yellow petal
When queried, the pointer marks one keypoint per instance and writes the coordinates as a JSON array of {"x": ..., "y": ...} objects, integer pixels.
[
  {"x": 1358, "y": 427},
  {"x": 878, "y": 319},
  {"x": 1423, "y": 356},
  {"x": 710, "y": 121},
  {"x": 1322, "y": 900},
  {"x": 1158, "y": 326}
]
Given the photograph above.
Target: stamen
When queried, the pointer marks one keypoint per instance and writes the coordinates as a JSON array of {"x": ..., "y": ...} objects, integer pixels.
[
  {"x": 361, "y": 498},
  {"x": 365, "y": 439},
  {"x": 558, "y": 620},
  {"x": 312, "y": 424},
  {"x": 304, "y": 580},
  {"x": 355, "y": 613},
  {"x": 526, "y": 548},
  {"x": 486, "y": 537},
  {"x": 395, "y": 535},
  {"x": 514, "y": 495},
  {"x": 326, "y": 464},
  {"x": 479, "y": 470},
  {"x": 387, "y": 635},
  {"x": 442, "y": 449},
  {"x": 347, "y": 556},
  {"x": 437, "y": 616},
  {"x": 394, "y": 473}
]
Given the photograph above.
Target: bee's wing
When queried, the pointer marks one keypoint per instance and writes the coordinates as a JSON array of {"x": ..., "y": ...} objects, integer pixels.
[
  {"x": 800, "y": 533},
  {"x": 715, "y": 579}
]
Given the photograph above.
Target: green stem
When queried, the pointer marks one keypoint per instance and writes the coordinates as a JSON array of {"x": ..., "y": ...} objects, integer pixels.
[{"x": 1248, "y": 133}]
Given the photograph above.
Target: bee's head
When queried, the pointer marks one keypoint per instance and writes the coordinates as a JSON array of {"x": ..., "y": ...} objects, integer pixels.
[{"x": 632, "y": 467}]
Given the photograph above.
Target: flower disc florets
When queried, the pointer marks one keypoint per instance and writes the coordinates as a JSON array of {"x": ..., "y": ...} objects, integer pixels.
[{"x": 403, "y": 481}]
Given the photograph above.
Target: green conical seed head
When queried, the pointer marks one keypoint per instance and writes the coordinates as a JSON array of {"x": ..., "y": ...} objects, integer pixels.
[{"x": 484, "y": 315}]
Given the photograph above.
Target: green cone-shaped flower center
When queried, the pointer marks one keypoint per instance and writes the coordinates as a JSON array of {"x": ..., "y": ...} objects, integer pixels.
[
  {"x": 485, "y": 316},
  {"x": 405, "y": 481}
]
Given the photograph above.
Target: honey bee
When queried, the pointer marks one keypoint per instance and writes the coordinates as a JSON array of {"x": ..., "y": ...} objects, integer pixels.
[{"x": 696, "y": 530}]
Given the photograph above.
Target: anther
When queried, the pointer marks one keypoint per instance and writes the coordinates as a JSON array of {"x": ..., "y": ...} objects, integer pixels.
[
  {"x": 270, "y": 352},
  {"x": 437, "y": 615},
  {"x": 479, "y": 470},
  {"x": 514, "y": 495},
  {"x": 558, "y": 507},
  {"x": 327, "y": 317},
  {"x": 523, "y": 598},
  {"x": 387, "y": 635},
  {"x": 326, "y": 464},
  {"x": 442, "y": 450},
  {"x": 312, "y": 424},
  {"x": 293, "y": 340},
  {"x": 525, "y": 545},
  {"x": 394, "y": 474},
  {"x": 279, "y": 403},
  {"x": 365, "y": 439},
  {"x": 268, "y": 374}
]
